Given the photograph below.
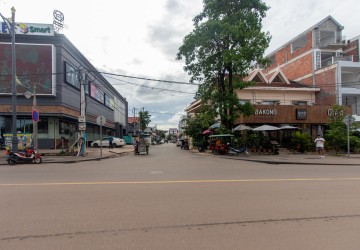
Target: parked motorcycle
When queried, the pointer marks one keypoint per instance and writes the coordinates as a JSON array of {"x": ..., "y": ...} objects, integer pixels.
[
  {"x": 27, "y": 156},
  {"x": 242, "y": 150},
  {"x": 185, "y": 145}
]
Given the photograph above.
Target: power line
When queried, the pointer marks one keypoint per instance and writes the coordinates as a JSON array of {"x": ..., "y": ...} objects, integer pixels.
[
  {"x": 149, "y": 79},
  {"x": 150, "y": 87}
]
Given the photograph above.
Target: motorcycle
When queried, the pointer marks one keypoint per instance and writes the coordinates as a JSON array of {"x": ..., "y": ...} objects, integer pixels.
[
  {"x": 220, "y": 149},
  {"x": 185, "y": 145},
  {"x": 28, "y": 156},
  {"x": 242, "y": 150}
]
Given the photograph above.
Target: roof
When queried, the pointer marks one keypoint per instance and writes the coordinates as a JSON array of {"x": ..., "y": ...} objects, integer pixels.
[
  {"x": 133, "y": 119},
  {"x": 317, "y": 25}
]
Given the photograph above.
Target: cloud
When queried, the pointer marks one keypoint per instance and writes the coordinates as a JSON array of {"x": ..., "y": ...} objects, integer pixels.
[{"x": 167, "y": 33}]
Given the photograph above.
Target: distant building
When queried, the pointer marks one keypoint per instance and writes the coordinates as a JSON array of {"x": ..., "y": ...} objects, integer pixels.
[{"x": 133, "y": 125}]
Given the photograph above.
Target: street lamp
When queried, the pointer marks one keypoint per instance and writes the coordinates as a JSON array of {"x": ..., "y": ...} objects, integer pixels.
[
  {"x": 11, "y": 28},
  {"x": 35, "y": 133}
]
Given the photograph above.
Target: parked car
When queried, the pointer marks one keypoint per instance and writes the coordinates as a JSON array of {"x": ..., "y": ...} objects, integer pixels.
[{"x": 117, "y": 142}]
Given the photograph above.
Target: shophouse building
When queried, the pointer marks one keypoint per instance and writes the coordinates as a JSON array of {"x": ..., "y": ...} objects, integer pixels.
[
  {"x": 50, "y": 62},
  {"x": 304, "y": 79},
  {"x": 322, "y": 57}
]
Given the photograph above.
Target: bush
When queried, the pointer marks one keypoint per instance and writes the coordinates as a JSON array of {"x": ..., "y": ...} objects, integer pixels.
[{"x": 301, "y": 142}]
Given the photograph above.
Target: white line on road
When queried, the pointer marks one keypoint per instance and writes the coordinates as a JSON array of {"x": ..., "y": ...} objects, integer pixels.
[{"x": 177, "y": 182}]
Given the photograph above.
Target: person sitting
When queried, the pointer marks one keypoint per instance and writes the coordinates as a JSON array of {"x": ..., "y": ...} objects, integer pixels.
[{"x": 218, "y": 143}]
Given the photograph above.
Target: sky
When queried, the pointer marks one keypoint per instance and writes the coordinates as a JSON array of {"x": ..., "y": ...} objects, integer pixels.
[{"x": 140, "y": 38}]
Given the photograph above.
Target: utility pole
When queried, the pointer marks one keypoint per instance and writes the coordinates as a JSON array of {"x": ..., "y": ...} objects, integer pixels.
[
  {"x": 134, "y": 128},
  {"x": 35, "y": 127},
  {"x": 82, "y": 118}
]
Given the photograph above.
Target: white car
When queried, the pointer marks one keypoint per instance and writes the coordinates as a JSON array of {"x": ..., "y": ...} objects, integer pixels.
[{"x": 117, "y": 142}]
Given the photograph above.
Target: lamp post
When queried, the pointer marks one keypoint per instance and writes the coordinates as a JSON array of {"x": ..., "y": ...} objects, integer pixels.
[
  {"x": 11, "y": 28},
  {"x": 35, "y": 133}
]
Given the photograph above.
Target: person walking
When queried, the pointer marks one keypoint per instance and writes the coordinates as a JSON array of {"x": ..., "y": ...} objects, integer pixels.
[
  {"x": 319, "y": 142},
  {"x": 111, "y": 142}
]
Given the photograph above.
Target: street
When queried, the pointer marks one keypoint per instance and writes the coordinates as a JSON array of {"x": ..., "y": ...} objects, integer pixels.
[{"x": 177, "y": 199}]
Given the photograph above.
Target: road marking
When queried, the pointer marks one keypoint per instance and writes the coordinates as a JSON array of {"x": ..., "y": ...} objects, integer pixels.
[{"x": 176, "y": 182}]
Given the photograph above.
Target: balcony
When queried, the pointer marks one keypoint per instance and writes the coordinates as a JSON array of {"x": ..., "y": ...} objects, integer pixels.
[{"x": 334, "y": 59}]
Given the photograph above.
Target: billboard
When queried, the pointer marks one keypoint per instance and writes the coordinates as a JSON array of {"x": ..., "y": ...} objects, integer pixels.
[
  {"x": 34, "y": 65},
  {"x": 37, "y": 29}
]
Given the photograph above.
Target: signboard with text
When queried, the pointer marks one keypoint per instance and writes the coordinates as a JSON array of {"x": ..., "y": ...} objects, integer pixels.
[{"x": 37, "y": 29}]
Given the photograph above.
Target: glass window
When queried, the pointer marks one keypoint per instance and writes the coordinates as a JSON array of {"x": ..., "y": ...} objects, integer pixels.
[{"x": 43, "y": 126}]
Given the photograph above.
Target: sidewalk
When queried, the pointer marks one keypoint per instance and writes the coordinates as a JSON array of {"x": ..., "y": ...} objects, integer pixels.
[
  {"x": 302, "y": 159},
  {"x": 93, "y": 154}
]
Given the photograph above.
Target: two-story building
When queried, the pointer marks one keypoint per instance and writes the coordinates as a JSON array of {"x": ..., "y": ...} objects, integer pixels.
[
  {"x": 322, "y": 57},
  {"x": 304, "y": 79},
  {"x": 48, "y": 63}
]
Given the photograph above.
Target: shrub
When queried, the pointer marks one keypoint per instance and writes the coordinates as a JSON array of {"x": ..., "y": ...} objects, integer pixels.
[{"x": 301, "y": 142}]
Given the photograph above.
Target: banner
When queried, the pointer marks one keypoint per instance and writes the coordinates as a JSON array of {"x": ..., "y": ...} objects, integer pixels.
[{"x": 24, "y": 140}]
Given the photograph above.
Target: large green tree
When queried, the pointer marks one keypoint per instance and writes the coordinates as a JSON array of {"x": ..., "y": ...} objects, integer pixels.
[
  {"x": 144, "y": 119},
  {"x": 226, "y": 41}
]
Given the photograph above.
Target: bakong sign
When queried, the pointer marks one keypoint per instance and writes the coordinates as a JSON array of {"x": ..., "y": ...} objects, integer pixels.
[{"x": 266, "y": 112}]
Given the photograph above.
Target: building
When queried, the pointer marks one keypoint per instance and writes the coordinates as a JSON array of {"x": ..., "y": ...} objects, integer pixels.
[
  {"x": 51, "y": 62},
  {"x": 322, "y": 57},
  {"x": 133, "y": 126},
  {"x": 304, "y": 79}
]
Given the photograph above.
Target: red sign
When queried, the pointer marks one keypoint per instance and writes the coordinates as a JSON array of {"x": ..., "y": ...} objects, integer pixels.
[{"x": 35, "y": 115}]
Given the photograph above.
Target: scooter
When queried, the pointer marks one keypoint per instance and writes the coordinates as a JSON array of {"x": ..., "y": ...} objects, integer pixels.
[
  {"x": 185, "y": 145},
  {"x": 243, "y": 149},
  {"x": 27, "y": 156}
]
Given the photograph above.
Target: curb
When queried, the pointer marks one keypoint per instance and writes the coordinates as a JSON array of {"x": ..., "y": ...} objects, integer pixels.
[
  {"x": 273, "y": 162},
  {"x": 62, "y": 159}
]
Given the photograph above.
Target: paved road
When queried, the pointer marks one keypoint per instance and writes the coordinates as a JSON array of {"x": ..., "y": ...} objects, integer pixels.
[{"x": 175, "y": 199}]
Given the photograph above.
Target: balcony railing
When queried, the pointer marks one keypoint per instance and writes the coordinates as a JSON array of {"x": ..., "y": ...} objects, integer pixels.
[{"x": 334, "y": 59}]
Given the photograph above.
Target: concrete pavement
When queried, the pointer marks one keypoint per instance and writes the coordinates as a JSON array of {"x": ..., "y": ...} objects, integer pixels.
[{"x": 93, "y": 154}]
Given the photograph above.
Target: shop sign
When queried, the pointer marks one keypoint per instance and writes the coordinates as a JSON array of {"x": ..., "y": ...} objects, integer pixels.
[
  {"x": 265, "y": 112},
  {"x": 24, "y": 140},
  {"x": 301, "y": 114},
  {"x": 37, "y": 29},
  {"x": 332, "y": 112}
]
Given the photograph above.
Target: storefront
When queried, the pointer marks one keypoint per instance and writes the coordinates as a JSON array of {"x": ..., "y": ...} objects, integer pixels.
[{"x": 48, "y": 67}]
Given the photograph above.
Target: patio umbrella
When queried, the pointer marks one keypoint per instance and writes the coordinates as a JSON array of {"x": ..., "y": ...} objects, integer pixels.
[
  {"x": 215, "y": 125},
  {"x": 266, "y": 128},
  {"x": 288, "y": 127},
  {"x": 206, "y": 132},
  {"x": 242, "y": 127}
]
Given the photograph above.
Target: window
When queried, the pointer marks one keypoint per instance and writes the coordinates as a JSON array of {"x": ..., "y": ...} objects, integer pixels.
[
  {"x": 67, "y": 127},
  {"x": 109, "y": 102},
  {"x": 71, "y": 76},
  {"x": 270, "y": 102},
  {"x": 299, "y": 103},
  {"x": 242, "y": 102},
  {"x": 24, "y": 125},
  {"x": 96, "y": 93},
  {"x": 43, "y": 126}
]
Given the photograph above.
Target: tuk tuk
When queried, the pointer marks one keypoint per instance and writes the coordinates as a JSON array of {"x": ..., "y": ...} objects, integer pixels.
[
  {"x": 219, "y": 144},
  {"x": 142, "y": 145}
]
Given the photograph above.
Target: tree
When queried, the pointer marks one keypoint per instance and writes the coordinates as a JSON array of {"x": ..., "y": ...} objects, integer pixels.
[
  {"x": 196, "y": 125},
  {"x": 336, "y": 135},
  {"x": 144, "y": 119},
  {"x": 225, "y": 42}
]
